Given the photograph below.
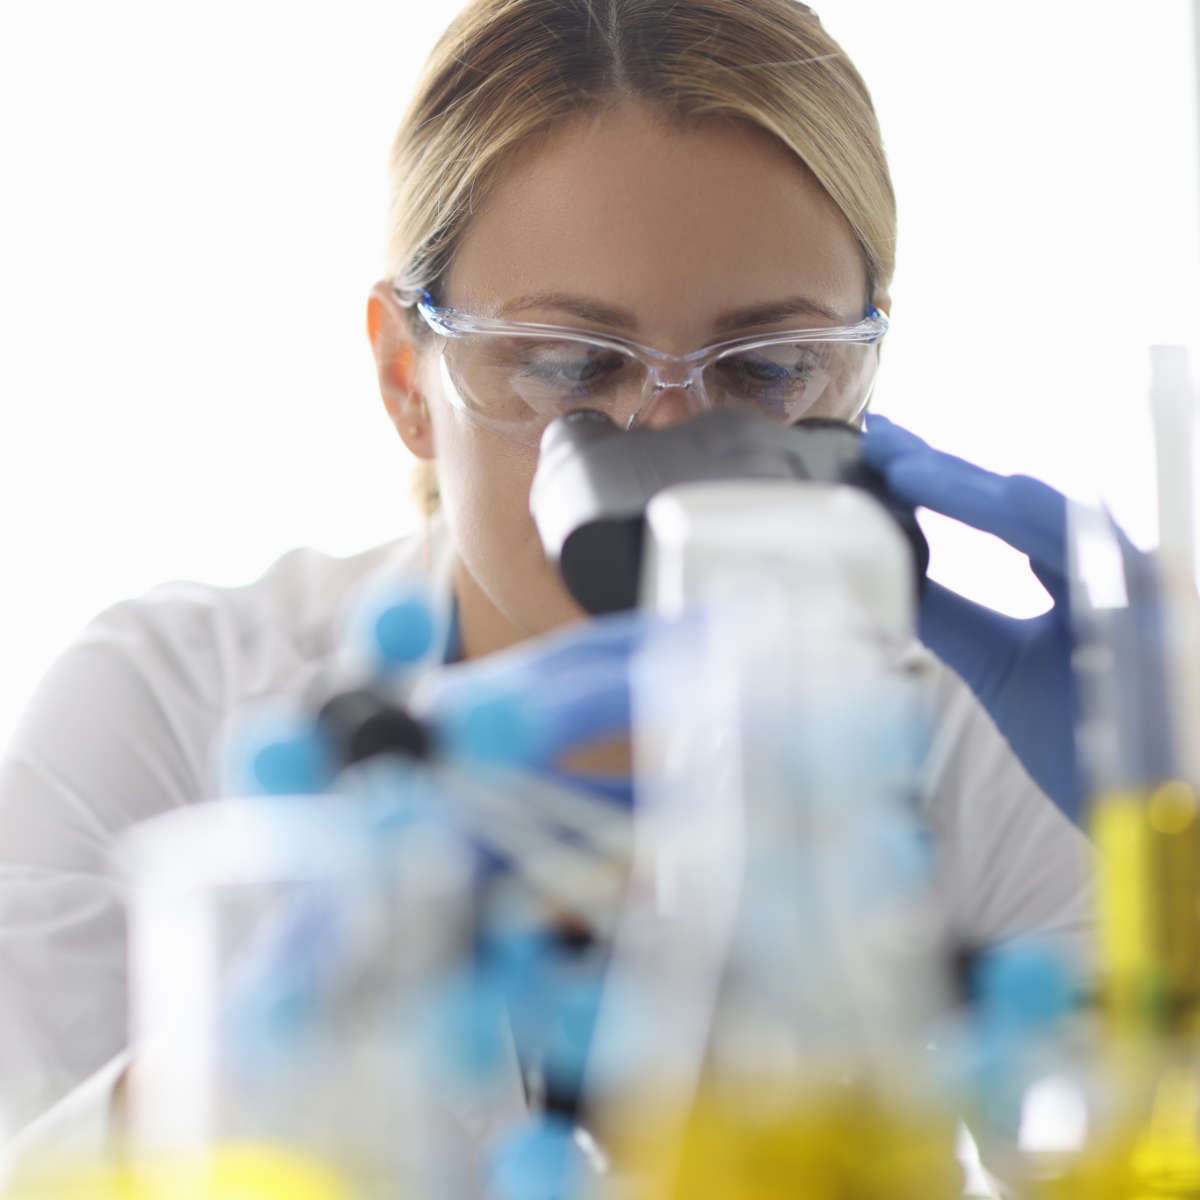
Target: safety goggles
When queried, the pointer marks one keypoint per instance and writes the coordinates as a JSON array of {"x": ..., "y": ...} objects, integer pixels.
[{"x": 514, "y": 377}]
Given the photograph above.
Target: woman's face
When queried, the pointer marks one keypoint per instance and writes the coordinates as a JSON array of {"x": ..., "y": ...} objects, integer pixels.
[{"x": 670, "y": 230}]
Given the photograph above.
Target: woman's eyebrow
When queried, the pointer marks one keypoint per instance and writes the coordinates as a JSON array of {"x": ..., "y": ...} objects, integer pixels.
[
  {"x": 775, "y": 310},
  {"x": 577, "y": 306},
  {"x": 621, "y": 318}
]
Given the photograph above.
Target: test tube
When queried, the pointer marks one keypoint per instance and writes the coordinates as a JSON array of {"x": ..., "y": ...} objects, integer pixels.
[{"x": 1136, "y": 619}]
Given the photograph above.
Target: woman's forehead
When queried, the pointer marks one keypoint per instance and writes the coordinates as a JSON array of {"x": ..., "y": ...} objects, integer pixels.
[{"x": 648, "y": 217}]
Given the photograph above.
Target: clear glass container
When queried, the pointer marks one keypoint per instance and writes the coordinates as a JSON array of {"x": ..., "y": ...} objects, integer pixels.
[{"x": 286, "y": 956}]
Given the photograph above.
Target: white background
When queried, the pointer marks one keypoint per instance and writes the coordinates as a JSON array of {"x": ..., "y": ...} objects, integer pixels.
[{"x": 192, "y": 214}]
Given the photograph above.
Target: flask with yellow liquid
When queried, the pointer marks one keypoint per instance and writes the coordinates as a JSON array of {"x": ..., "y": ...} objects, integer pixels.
[{"x": 228, "y": 1172}]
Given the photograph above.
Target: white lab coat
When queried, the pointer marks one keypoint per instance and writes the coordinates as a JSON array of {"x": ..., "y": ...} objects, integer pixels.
[{"x": 128, "y": 723}]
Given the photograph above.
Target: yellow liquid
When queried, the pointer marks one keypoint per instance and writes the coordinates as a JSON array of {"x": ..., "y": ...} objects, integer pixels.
[
  {"x": 1149, "y": 908},
  {"x": 834, "y": 1147},
  {"x": 229, "y": 1172},
  {"x": 1133, "y": 1171},
  {"x": 1158, "y": 1159},
  {"x": 1149, "y": 920}
]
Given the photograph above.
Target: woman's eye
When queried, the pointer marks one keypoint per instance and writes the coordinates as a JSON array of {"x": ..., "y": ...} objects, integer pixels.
[
  {"x": 571, "y": 367},
  {"x": 778, "y": 381},
  {"x": 770, "y": 369}
]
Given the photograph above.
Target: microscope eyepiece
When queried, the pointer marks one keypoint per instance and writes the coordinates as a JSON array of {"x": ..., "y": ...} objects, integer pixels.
[{"x": 594, "y": 480}]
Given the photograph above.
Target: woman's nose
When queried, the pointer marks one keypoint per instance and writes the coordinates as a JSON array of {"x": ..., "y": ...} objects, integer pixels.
[{"x": 668, "y": 405}]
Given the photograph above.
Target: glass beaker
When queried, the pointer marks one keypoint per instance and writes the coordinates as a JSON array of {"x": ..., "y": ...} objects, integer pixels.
[{"x": 285, "y": 954}]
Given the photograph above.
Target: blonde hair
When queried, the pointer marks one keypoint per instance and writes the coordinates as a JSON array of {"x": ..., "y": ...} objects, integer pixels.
[{"x": 508, "y": 70}]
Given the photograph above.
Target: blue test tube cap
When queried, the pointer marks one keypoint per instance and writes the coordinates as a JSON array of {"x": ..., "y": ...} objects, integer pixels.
[
  {"x": 540, "y": 1161},
  {"x": 496, "y": 727},
  {"x": 292, "y": 762},
  {"x": 403, "y": 630},
  {"x": 1022, "y": 992},
  {"x": 1022, "y": 989}
]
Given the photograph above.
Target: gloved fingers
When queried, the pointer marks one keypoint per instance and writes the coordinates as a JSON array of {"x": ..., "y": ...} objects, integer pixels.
[
  {"x": 884, "y": 440},
  {"x": 613, "y": 636},
  {"x": 546, "y": 697},
  {"x": 582, "y": 707},
  {"x": 513, "y": 721},
  {"x": 1024, "y": 512},
  {"x": 531, "y": 663}
]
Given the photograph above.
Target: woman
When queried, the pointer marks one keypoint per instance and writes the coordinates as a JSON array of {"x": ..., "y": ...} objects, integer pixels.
[{"x": 674, "y": 173}]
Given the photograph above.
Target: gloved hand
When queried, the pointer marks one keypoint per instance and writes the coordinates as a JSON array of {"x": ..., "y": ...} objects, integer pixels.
[
  {"x": 544, "y": 697},
  {"x": 1019, "y": 669}
]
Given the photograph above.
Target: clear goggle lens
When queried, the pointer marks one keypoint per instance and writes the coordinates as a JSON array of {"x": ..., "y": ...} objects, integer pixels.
[{"x": 518, "y": 384}]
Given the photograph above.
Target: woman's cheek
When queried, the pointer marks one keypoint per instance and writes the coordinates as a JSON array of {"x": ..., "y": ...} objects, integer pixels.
[{"x": 486, "y": 481}]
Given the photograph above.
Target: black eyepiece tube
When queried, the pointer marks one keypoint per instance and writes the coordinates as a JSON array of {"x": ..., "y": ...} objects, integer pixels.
[{"x": 594, "y": 480}]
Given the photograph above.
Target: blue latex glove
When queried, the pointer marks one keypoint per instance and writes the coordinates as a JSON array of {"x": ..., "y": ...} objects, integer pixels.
[
  {"x": 1019, "y": 669},
  {"x": 544, "y": 697}
]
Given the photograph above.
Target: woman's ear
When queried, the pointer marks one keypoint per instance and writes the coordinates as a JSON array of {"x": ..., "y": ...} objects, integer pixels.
[{"x": 396, "y": 358}]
